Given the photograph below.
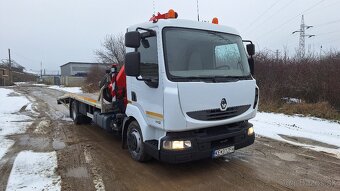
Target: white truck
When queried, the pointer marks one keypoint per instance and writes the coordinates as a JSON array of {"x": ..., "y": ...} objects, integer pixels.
[{"x": 186, "y": 92}]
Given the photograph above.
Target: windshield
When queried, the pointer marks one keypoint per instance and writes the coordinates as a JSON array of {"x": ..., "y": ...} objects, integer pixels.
[{"x": 191, "y": 53}]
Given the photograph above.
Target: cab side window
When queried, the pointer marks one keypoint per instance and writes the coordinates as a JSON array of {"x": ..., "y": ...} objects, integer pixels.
[{"x": 149, "y": 57}]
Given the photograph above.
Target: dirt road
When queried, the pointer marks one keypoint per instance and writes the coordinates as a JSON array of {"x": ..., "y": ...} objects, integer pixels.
[{"x": 91, "y": 159}]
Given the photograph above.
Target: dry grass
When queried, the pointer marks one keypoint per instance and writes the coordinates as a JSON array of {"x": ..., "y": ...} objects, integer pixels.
[
  {"x": 90, "y": 88},
  {"x": 320, "y": 109}
]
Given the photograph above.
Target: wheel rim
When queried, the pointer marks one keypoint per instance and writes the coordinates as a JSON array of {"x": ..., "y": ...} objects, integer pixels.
[{"x": 134, "y": 141}]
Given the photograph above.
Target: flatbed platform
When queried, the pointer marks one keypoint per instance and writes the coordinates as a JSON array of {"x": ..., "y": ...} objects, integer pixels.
[{"x": 87, "y": 98}]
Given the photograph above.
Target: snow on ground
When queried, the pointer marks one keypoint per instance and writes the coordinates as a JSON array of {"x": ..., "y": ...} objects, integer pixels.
[
  {"x": 4, "y": 146},
  {"x": 31, "y": 171},
  {"x": 11, "y": 121},
  {"x": 273, "y": 125},
  {"x": 11, "y": 104},
  {"x": 20, "y": 83},
  {"x": 67, "y": 89},
  {"x": 34, "y": 171},
  {"x": 39, "y": 85}
]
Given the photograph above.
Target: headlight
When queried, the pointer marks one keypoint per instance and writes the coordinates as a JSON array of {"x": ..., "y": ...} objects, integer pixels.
[
  {"x": 176, "y": 145},
  {"x": 250, "y": 131}
]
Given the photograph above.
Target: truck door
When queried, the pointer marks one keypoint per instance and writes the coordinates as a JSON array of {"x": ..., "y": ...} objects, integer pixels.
[{"x": 148, "y": 95}]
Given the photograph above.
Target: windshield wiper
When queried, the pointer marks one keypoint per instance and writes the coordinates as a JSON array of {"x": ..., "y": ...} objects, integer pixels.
[
  {"x": 231, "y": 78},
  {"x": 194, "y": 78},
  {"x": 213, "y": 78}
]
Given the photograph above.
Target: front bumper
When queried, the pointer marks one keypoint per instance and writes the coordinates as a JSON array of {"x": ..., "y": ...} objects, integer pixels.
[{"x": 204, "y": 142}]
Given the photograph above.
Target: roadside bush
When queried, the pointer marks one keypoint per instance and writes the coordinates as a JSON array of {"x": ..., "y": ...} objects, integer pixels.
[
  {"x": 96, "y": 74},
  {"x": 314, "y": 80}
]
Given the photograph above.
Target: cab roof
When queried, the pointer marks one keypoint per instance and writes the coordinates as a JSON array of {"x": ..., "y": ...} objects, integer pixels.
[{"x": 162, "y": 23}]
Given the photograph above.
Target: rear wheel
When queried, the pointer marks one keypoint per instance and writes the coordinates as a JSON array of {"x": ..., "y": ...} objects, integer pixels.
[
  {"x": 75, "y": 113},
  {"x": 135, "y": 143},
  {"x": 77, "y": 117}
]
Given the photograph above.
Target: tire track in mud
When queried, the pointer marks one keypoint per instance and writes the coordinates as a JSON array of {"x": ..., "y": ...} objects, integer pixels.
[
  {"x": 97, "y": 178},
  {"x": 76, "y": 169}
]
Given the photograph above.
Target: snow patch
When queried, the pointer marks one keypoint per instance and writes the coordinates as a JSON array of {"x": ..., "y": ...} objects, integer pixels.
[
  {"x": 20, "y": 83},
  {"x": 34, "y": 171},
  {"x": 42, "y": 127},
  {"x": 11, "y": 121},
  {"x": 11, "y": 101},
  {"x": 43, "y": 85},
  {"x": 273, "y": 125},
  {"x": 4, "y": 146},
  {"x": 67, "y": 89},
  {"x": 291, "y": 100},
  {"x": 97, "y": 178},
  {"x": 13, "y": 124}
]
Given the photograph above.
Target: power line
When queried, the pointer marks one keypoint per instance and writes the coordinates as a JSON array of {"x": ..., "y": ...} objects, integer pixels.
[
  {"x": 262, "y": 14},
  {"x": 328, "y": 23},
  {"x": 312, "y": 7},
  {"x": 272, "y": 16},
  {"x": 291, "y": 19},
  {"x": 332, "y": 32}
]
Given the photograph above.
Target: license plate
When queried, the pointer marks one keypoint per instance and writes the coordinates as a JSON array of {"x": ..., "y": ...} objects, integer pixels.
[{"x": 224, "y": 151}]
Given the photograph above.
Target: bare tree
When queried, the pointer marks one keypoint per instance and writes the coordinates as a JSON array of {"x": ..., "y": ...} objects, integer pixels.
[{"x": 113, "y": 51}]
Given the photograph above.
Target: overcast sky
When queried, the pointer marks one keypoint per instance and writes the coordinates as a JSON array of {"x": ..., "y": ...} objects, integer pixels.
[{"x": 60, "y": 31}]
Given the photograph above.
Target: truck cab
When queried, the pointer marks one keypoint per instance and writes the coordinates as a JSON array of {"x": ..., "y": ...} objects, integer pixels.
[{"x": 190, "y": 91}]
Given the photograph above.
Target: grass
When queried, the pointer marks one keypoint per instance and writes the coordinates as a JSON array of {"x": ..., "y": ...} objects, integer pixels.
[
  {"x": 90, "y": 88},
  {"x": 320, "y": 109}
]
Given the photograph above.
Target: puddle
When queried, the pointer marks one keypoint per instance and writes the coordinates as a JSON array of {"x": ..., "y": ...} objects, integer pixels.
[
  {"x": 286, "y": 156},
  {"x": 78, "y": 172},
  {"x": 57, "y": 144},
  {"x": 35, "y": 142}
]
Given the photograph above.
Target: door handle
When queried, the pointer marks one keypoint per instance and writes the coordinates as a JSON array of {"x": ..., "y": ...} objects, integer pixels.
[{"x": 133, "y": 96}]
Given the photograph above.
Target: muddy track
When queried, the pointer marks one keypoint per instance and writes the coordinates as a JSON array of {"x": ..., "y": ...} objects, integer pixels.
[{"x": 91, "y": 159}]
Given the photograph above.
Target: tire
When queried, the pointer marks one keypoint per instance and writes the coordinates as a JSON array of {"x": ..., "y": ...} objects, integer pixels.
[
  {"x": 76, "y": 116},
  {"x": 135, "y": 143},
  {"x": 107, "y": 95}
]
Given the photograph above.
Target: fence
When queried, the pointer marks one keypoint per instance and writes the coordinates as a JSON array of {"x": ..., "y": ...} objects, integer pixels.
[{"x": 72, "y": 81}]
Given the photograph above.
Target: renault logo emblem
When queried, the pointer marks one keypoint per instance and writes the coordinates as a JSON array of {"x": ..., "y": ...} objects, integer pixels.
[{"x": 223, "y": 104}]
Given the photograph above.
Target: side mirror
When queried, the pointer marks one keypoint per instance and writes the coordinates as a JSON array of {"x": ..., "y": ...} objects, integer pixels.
[
  {"x": 251, "y": 62},
  {"x": 132, "y": 64},
  {"x": 132, "y": 39},
  {"x": 251, "y": 49}
]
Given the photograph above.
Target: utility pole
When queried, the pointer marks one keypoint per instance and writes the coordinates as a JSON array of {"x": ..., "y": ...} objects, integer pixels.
[
  {"x": 10, "y": 67},
  {"x": 40, "y": 69},
  {"x": 303, "y": 35},
  {"x": 198, "y": 12}
]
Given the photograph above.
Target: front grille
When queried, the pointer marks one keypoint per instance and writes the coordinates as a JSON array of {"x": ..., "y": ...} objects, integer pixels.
[{"x": 217, "y": 114}]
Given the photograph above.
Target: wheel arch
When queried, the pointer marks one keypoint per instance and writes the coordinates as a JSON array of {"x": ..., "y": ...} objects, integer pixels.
[{"x": 134, "y": 114}]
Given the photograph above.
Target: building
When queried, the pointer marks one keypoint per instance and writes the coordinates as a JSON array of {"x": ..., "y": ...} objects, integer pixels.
[
  {"x": 18, "y": 74},
  {"x": 51, "y": 79},
  {"x": 78, "y": 68},
  {"x": 4, "y": 79},
  {"x": 74, "y": 73}
]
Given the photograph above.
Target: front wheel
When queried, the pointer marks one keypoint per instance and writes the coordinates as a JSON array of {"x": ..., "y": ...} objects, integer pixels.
[{"x": 135, "y": 143}]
